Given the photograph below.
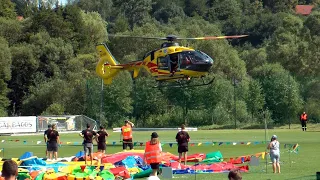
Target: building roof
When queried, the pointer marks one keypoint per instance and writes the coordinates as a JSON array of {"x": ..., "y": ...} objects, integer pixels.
[{"x": 304, "y": 9}]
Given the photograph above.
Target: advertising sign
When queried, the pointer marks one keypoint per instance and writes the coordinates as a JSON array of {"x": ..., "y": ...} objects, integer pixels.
[{"x": 20, "y": 124}]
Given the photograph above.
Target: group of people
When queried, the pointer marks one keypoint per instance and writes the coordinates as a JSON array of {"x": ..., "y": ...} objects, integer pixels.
[
  {"x": 52, "y": 140},
  {"x": 153, "y": 149}
]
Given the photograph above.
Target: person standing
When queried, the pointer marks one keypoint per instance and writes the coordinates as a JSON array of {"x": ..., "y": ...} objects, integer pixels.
[
  {"x": 126, "y": 135},
  {"x": 88, "y": 137},
  {"x": 9, "y": 170},
  {"x": 53, "y": 142},
  {"x": 303, "y": 120},
  {"x": 101, "y": 140},
  {"x": 45, "y": 138},
  {"x": 152, "y": 155},
  {"x": 274, "y": 147},
  {"x": 182, "y": 139}
]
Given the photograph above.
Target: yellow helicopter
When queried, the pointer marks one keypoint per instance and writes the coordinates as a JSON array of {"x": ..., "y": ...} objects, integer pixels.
[{"x": 171, "y": 62}]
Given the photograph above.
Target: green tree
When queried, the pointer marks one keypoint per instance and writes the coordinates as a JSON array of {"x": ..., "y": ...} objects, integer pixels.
[
  {"x": 94, "y": 31},
  {"x": 147, "y": 101},
  {"x": 163, "y": 11},
  {"x": 24, "y": 67},
  {"x": 7, "y": 9},
  {"x": 255, "y": 100},
  {"x": 195, "y": 7},
  {"x": 11, "y": 30},
  {"x": 137, "y": 11},
  {"x": 280, "y": 5},
  {"x": 254, "y": 57},
  {"x": 5, "y": 75},
  {"x": 281, "y": 91},
  {"x": 103, "y": 7}
]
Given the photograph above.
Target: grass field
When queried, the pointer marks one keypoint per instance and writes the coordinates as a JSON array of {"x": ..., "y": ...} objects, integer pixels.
[{"x": 304, "y": 165}]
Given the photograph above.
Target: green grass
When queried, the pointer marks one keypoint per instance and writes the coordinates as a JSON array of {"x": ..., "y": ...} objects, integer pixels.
[{"x": 304, "y": 165}]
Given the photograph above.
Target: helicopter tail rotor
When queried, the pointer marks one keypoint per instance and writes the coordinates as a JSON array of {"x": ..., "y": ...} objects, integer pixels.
[{"x": 107, "y": 66}]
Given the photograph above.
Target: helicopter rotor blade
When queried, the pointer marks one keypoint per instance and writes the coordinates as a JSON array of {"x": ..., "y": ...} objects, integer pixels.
[
  {"x": 140, "y": 37},
  {"x": 173, "y": 37},
  {"x": 214, "y": 37}
]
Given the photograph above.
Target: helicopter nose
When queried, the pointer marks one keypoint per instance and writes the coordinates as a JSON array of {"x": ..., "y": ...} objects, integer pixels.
[{"x": 209, "y": 63}]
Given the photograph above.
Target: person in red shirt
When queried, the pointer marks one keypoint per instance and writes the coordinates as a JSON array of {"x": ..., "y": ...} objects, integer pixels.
[{"x": 303, "y": 120}]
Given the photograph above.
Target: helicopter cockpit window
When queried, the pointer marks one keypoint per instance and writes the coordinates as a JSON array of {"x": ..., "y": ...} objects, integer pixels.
[{"x": 195, "y": 57}]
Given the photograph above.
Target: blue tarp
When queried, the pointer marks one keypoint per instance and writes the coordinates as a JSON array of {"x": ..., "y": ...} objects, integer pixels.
[
  {"x": 130, "y": 162},
  {"x": 37, "y": 163},
  {"x": 26, "y": 155},
  {"x": 80, "y": 154}
]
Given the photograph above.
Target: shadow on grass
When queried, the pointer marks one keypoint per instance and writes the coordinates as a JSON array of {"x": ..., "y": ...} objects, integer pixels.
[
  {"x": 251, "y": 126},
  {"x": 304, "y": 177}
]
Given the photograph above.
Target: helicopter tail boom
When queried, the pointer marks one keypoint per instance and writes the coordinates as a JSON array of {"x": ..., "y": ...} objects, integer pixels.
[{"x": 107, "y": 66}]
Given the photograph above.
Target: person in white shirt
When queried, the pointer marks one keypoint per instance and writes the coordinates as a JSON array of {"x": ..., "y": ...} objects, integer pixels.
[{"x": 274, "y": 147}]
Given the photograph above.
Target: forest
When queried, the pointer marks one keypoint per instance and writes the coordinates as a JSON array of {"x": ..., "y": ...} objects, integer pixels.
[{"x": 48, "y": 60}]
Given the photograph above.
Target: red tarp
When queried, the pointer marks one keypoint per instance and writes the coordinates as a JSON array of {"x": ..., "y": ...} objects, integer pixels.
[
  {"x": 217, "y": 167},
  {"x": 192, "y": 158}
]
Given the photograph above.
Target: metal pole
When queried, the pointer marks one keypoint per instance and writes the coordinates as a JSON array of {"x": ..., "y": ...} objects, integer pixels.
[
  {"x": 235, "y": 101},
  {"x": 289, "y": 101},
  {"x": 101, "y": 102},
  {"x": 265, "y": 137}
]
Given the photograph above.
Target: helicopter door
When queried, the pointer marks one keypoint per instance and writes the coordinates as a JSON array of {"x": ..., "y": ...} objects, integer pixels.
[
  {"x": 163, "y": 63},
  {"x": 174, "y": 62}
]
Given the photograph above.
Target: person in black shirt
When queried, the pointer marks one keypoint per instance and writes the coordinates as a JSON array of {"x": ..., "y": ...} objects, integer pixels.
[
  {"x": 101, "y": 140},
  {"x": 182, "y": 139},
  {"x": 53, "y": 142},
  {"x": 45, "y": 138},
  {"x": 88, "y": 137}
]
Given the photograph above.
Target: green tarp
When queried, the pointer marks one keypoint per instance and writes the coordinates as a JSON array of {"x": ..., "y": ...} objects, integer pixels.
[
  {"x": 213, "y": 157},
  {"x": 107, "y": 175}
]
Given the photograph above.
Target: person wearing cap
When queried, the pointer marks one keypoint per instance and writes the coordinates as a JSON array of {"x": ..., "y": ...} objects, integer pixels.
[
  {"x": 88, "y": 136},
  {"x": 9, "y": 170},
  {"x": 46, "y": 139},
  {"x": 152, "y": 155},
  {"x": 274, "y": 147},
  {"x": 126, "y": 135}
]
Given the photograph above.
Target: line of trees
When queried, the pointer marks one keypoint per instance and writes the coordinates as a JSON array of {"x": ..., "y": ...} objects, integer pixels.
[{"x": 48, "y": 60}]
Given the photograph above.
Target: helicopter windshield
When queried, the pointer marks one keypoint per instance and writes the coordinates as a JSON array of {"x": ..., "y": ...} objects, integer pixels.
[{"x": 195, "y": 57}]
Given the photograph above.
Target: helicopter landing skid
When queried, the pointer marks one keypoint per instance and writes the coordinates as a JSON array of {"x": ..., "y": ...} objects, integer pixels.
[{"x": 182, "y": 83}]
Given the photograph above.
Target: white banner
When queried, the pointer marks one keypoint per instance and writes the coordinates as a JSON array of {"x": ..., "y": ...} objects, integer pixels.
[{"x": 21, "y": 124}]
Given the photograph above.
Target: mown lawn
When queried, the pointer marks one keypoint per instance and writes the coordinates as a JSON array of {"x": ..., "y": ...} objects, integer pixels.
[{"x": 304, "y": 165}]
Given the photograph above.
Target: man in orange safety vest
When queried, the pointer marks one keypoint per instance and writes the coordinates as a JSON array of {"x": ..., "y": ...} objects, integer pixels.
[
  {"x": 126, "y": 135},
  {"x": 303, "y": 120}
]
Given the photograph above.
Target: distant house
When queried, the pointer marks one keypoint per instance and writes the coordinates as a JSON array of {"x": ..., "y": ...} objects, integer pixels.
[{"x": 304, "y": 9}]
